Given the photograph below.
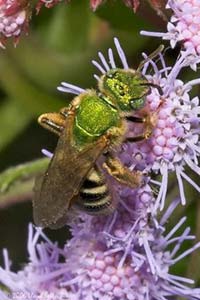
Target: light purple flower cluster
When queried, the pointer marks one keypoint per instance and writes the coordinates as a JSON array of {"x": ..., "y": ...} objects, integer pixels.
[
  {"x": 125, "y": 256},
  {"x": 184, "y": 25},
  {"x": 13, "y": 20},
  {"x": 174, "y": 143},
  {"x": 128, "y": 255}
]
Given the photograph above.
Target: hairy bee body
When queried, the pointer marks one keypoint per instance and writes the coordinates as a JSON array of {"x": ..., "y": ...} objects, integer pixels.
[
  {"x": 94, "y": 124},
  {"x": 95, "y": 196},
  {"x": 94, "y": 115}
]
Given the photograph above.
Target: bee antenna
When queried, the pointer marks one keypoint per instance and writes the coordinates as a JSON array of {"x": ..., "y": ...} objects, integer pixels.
[
  {"x": 150, "y": 57},
  {"x": 155, "y": 86}
]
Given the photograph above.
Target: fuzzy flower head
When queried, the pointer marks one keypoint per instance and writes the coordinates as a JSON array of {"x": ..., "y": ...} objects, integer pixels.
[
  {"x": 184, "y": 25},
  {"x": 174, "y": 142},
  {"x": 97, "y": 263},
  {"x": 14, "y": 17}
]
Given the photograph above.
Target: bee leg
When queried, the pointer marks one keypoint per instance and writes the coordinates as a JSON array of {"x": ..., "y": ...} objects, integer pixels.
[
  {"x": 149, "y": 123},
  {"x": 135, "y": 119},
  {"x": 121, "y": 173},
  {"x": 64, "y": 112},
  {"x": 54, "y": 122}
]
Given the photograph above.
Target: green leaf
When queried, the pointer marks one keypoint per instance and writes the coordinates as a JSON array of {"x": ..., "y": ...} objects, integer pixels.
[
  {"x": 16, "y": 183},
  {"x": 20, "y": 173}
]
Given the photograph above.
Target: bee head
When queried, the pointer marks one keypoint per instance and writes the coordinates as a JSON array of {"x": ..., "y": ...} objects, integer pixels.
[{"x": 127, "y": 88}]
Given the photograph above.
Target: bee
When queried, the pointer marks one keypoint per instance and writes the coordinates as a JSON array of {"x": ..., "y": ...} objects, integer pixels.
[{"x": 94, "y": 125}]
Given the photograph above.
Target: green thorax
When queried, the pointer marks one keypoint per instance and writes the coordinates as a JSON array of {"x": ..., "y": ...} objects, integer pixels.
[{"x": 94, "y": 116}]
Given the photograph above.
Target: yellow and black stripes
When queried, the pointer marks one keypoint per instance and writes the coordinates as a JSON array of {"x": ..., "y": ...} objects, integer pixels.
[{"x": 94, "y": 196}]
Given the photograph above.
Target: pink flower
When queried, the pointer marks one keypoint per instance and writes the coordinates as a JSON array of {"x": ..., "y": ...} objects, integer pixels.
[
  {"x": 98, "y": 264},
  {"x": 184, "y": 25},
  {"x": 14, "y": 18}
]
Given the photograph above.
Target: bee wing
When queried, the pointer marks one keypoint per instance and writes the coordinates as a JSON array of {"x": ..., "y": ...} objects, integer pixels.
[{"x": 60, "y": 184}]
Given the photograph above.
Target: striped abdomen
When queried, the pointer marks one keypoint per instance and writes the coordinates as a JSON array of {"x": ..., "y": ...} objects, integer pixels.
[{"x": 94, "y": 196}]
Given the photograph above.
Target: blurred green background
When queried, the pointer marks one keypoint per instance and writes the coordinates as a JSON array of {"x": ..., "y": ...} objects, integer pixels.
[{"x": 61, "y": 43}]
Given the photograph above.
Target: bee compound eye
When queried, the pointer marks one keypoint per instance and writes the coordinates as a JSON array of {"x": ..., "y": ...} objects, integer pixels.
[{"x": 137, "y": 103}]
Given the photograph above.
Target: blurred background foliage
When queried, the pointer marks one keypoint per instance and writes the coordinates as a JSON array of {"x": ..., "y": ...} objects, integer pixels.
[{"x": 61, "y": 43}]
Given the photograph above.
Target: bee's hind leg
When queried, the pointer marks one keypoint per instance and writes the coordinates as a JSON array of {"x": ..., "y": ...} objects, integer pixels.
[
  {"x": 122, "y": 174},
  {"x": 52, "y": 122},
  {"x": 55, "y": 122}
]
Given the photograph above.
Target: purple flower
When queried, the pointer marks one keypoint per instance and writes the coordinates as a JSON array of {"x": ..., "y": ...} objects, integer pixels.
[
  {"x": 125, "y": 256},
  {"x": 14, "y": 18},
  {"x": 174, "y": 142},
  {"x": 184, "y": 25}
]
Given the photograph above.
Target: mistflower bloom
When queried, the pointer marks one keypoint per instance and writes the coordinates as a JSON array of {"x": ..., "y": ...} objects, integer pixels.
[
  {"x": 125, "y": 256},
  {"x": 14, "y": 18},
  {"x": 174, "y": 142},
  {"x": 184, "y": 25}
]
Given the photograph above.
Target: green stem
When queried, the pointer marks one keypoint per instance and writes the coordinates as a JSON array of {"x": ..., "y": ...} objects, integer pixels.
[
  {"x": 19, "y": 193},
  {"x": 13, "y": 177}
]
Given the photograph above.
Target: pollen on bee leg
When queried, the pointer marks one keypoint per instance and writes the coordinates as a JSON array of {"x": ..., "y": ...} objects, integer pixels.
[
  {"x": 54, "y": 122},
  {"x": 150, "y": 122},
  {"x": 122, "y": 174}
]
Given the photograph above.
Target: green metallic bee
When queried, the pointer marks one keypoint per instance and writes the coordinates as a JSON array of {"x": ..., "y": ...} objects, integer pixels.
[{"x": 94, "y": 124}]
